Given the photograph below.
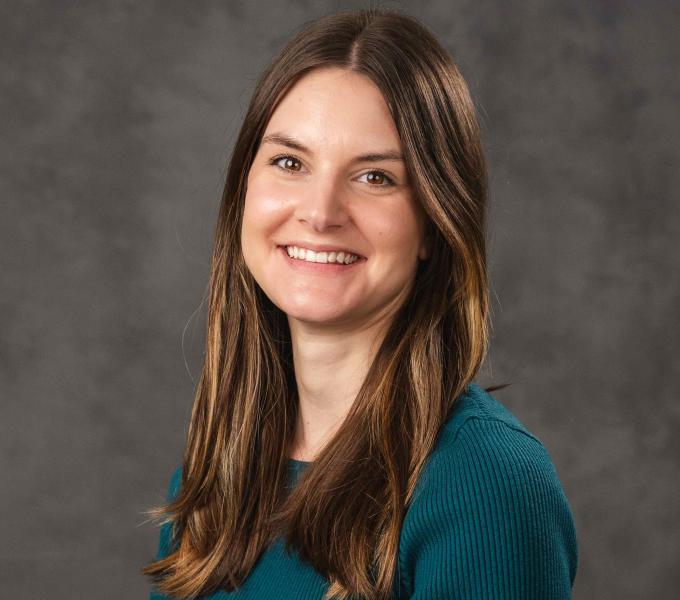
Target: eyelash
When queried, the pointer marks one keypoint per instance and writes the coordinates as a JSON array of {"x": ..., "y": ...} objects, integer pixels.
[{"x": 389, "y": 180}]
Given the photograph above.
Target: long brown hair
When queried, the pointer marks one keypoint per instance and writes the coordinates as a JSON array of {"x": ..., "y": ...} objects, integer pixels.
[{"x": 344, "y": 516}]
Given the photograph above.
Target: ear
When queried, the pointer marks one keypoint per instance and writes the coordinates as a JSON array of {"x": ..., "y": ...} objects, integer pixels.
[{"x": 423, "y": 252}]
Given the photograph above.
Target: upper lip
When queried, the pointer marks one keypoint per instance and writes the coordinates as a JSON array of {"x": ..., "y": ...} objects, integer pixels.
[{"x": 322, "y": 247}]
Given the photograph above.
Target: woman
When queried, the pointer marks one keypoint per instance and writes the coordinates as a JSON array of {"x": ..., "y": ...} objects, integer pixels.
[{"x": 337, "y": 445}]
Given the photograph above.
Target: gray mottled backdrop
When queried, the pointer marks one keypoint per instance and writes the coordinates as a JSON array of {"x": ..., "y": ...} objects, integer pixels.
[{"x": 117, "y": 122}]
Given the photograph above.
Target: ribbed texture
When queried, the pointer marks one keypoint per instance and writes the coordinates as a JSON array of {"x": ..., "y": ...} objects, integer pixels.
[{"x": 489, "y": 520}]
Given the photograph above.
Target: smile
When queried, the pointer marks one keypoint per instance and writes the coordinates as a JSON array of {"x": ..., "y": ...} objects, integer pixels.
[
  {"x": 321, "y": 257},
  {"x": 320, "y": 262}
]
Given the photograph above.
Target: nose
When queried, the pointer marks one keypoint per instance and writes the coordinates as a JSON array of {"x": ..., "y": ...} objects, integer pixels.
[{"x": 322, "y": 204}]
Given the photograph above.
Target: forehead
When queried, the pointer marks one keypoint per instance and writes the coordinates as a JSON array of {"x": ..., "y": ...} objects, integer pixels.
[{"x": 337, "y": 107}]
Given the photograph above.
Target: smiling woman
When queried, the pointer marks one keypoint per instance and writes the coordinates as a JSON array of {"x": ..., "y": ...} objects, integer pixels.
[{"x": 338, "y": 447}]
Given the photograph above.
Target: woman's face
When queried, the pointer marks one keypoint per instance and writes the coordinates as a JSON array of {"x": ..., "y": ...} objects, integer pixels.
[{"x": 328, "y": 178}]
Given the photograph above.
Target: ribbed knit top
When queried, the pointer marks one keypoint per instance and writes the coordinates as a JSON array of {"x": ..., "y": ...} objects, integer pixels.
[{"x": 489, "y": 520}]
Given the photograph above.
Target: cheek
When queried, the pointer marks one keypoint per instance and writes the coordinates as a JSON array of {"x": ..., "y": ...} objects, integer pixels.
[
  {"x": 396, "y": 229},
  {"x": 265, "y": 206}
]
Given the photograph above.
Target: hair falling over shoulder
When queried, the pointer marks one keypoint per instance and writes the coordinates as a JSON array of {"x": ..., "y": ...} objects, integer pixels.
[{"x": 345, "y": 515}]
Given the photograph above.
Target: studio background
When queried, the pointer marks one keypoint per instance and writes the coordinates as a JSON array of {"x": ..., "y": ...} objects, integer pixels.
[{"x": 118, "y": 119}]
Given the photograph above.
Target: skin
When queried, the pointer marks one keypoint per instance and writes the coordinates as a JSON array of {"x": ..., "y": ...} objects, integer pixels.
[{"x": 336, "y": 320}]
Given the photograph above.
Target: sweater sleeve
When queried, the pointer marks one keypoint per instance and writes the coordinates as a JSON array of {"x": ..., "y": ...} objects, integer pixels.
[
  {"x": 165, "y": 545},
  {"x": 491, "y": 521},
  {"x": 165, "y": 542}
]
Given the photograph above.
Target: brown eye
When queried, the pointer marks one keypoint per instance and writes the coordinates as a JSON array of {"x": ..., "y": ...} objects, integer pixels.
[
  {"x": 289, "y": 162},
  {"x": 378, "y": 179}
]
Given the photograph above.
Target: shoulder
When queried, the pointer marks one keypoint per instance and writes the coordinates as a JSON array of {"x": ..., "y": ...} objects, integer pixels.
[
  {"x": 475, "y": 404},
  {"x": 482, "y": 442},
  {"x": 483, "y": 448},
  {"x": 489, "y": 501},
  {"x": 481, "y": 437}
]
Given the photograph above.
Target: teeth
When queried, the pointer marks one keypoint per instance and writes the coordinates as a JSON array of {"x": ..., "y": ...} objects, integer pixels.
[{"x": 320, "y": 257}]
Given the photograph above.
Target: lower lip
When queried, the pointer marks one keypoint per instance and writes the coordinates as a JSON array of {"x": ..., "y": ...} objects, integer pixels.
[{"x": 319, "y": 268}]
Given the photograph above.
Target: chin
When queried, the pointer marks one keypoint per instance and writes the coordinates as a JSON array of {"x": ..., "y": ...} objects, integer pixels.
[{"x": 311, "y": 314}]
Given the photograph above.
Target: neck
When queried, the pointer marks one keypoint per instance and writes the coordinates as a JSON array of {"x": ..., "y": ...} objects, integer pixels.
[{"x": 330, "y": 368}]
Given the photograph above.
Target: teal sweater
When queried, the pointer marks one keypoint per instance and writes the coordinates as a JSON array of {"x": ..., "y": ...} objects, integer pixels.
[{"x": 489, "y": 521}]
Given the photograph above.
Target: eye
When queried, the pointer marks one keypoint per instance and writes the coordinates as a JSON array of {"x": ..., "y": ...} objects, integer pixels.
[
  {"x": 383, "y": 179},
  {"x": 289, "y": 160}
]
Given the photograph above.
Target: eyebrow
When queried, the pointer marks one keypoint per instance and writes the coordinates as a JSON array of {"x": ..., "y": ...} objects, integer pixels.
[{"x": 291, "y": 142}]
